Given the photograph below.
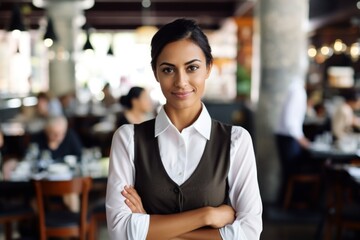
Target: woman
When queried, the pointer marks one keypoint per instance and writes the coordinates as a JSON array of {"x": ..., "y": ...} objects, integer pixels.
[
  {"x": 193, "y": 177},
  {"x": 137, "y": 106}
]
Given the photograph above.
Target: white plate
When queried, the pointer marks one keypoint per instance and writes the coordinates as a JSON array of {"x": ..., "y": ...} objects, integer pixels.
[{"x": 354, "y": 172}]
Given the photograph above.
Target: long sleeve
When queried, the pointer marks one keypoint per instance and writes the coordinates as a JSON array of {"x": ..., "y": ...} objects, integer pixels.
[
  {"x": 243, "y": 187},
  {"x": 122, "y": 223},
  {"x": 293, "y": 112},
  {"x": 244, "y": 191}
]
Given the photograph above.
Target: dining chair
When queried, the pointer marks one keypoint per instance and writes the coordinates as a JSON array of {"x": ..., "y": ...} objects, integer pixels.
[
  {"x": 8, "y": 216},
  {"x": 311, "y": 179},
  {"x": 58, "y": 222},
  {"x": 14, "y": 206},
  {"x": 98, "y": 212},
  {"x": 297, "y": 173},
  {"x": 343, "y": 212},
  {"x": 98, "y": 216}
]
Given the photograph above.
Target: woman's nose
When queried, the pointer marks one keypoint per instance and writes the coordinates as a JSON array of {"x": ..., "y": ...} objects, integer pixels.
[{"x": 181, "y": 79}]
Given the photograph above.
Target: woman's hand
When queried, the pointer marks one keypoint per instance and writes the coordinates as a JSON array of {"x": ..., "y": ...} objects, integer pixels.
[
  {"x": 220, "y": 216},
  {"x": 133, "y": 200}
]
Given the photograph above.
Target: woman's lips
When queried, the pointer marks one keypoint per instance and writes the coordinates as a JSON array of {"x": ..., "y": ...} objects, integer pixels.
[{"x": 182, "y": 94}]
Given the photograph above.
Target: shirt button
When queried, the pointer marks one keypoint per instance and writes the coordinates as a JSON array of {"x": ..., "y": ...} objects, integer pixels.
[{"x": 180, "y": 173}]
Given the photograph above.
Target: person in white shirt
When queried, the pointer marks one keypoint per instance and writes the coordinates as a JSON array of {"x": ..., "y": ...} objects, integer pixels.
[
  {"x": 290, "y": 139},
  {"x": 182, "y": 132},
  {"x": 344, "y": 120},
  {"x": 293, "y": 113}
]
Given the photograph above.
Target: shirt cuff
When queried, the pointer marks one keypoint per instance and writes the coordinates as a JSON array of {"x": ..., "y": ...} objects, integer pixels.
[
  {"x": 138, "y": 226},
  {"x": 232, "y": 231}
]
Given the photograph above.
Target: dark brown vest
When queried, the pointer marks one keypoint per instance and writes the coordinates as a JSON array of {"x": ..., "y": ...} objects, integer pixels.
[{"x": 207, "y": 186}]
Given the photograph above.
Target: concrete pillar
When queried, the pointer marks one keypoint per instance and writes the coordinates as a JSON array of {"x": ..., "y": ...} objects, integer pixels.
[
  {"x": 67, "y": 17},
  {"x": 283, "y": 58}
]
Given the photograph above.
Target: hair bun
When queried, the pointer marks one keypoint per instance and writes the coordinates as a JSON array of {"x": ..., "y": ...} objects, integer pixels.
[{"x": 125, "y": 101}]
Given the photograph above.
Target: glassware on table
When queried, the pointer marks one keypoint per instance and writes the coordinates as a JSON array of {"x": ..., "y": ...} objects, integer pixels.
[
  {"x": 323, "y": 141},
  {"x": 31, "y": 155},
  {"x": 90, "y": 162},
  {"x": 70, "y": 160},
  {"x": 96, "y": 151},
  {"x": 348, "y": 143},
  {"x": 45, "y": 160}
]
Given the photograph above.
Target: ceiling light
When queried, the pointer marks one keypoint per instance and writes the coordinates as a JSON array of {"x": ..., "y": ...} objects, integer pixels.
[
  {"x": 50, "y": 35},
  {"x": 326, "y": 51},
  {"x": 16, "y": 22},
  {"x": 110, "y": 50},
  {"x": 339, "y": 46},
  {"x": 146, "y": 3},
  {"x": 88, "y": 45},
  {"x": 312, "y": 51}
]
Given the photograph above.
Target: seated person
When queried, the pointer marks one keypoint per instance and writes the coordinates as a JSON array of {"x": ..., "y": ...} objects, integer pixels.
[
  {"x": 58, "y": 139},
  {"x": 137, "y": 104},
  {"x": 344, "y": 120},
  {"x": 1, "y": 141},
  {"x": 108, "y": 99},
  {"x": 8, "y": 162},
  {"x": 69, "y": 104},
  {"x": 34, "y": 118}
]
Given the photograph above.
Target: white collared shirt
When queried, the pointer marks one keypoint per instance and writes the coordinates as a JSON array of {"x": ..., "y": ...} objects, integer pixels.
[
  {"x": 180, "y": 154},
  {"x": 293, "y": 111}
]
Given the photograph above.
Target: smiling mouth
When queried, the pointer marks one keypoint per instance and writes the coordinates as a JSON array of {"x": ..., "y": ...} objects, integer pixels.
[{"x": 182, "y": 94}]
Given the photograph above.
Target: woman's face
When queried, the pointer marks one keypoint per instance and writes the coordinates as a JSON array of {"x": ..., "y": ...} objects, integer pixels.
[{"x": 181, "y": 71}]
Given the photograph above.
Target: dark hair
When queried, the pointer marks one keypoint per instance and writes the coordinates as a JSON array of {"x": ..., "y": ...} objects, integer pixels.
[
  {"x": 134, "y": 92},
  {"x": 350, "y": 94},
  {"x": 179, "y": 29},
  {"x": 43, "y": 95}
]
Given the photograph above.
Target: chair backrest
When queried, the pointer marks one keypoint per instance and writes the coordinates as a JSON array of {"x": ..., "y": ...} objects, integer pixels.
[{"x": 47, "y": 188}]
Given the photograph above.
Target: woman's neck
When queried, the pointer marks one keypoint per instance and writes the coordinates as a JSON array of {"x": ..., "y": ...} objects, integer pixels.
[
  {"x": 135, "y": 116},
  {"x": 184, "y": 117}
]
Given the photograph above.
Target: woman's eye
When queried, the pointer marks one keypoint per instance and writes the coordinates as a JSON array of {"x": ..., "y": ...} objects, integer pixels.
[
  {"x": 193, "y": 68},
  {"x": 167, "y": 70}
]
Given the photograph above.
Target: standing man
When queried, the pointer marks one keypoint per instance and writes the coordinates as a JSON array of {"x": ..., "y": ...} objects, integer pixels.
[{"x": 290, "y": 139}]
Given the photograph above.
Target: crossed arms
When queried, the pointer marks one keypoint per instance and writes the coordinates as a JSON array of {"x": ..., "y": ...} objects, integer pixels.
[{"x": 187, "y": 225}]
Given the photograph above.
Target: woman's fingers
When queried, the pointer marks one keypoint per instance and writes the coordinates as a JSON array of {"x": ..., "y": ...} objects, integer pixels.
[
  {"x": 131, "y": 206},
  {"x": 131, "y": 190},
  {"x": 133, "y": 200}
]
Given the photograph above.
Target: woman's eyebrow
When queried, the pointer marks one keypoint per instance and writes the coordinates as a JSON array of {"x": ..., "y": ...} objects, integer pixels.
[
  {"x": 187, "y": 63},
  {"x": 168, "y": 64},
  {"x": 191, "y": 61}
]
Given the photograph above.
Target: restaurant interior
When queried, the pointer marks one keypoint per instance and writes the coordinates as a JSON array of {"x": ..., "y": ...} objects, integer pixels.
[{"x": 68, "y": 63}]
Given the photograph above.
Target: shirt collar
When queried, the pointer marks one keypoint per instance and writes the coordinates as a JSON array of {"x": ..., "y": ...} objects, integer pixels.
[{"x": 202, "y": 124}]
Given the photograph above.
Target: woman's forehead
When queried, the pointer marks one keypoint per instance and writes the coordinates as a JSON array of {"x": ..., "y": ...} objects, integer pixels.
[{"x": 181, "y": 51}]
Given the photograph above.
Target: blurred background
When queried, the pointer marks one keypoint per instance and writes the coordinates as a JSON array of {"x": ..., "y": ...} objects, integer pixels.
[{"x": 78, "y": 58}]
